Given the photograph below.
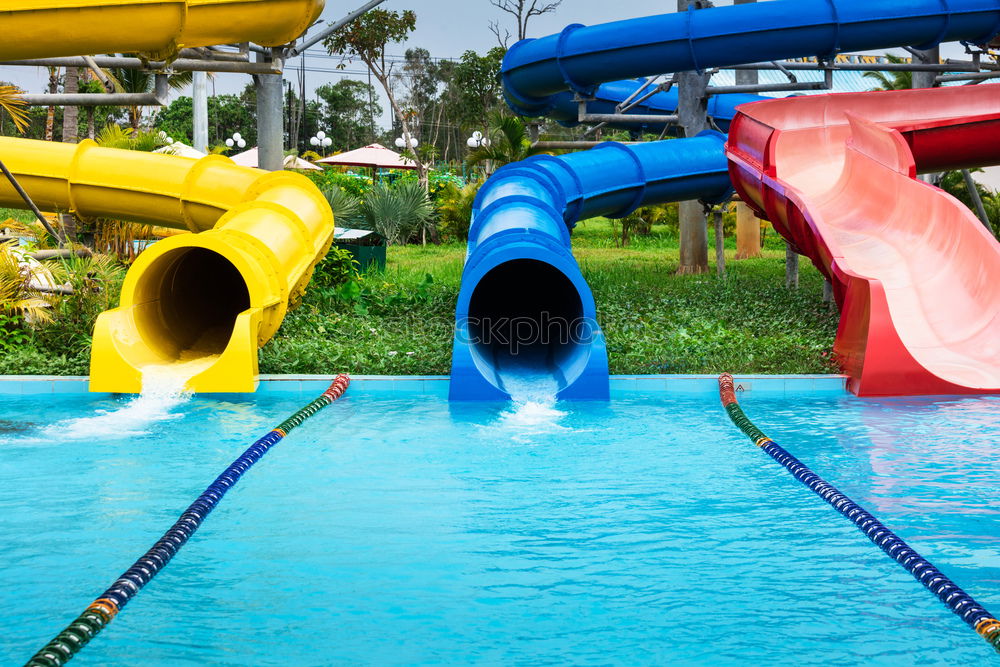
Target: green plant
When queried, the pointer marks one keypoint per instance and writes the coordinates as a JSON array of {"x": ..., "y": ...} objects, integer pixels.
[
  {"x": 17, "y": 300},
  {"x": 508, "y": 142},
  {"x": 343, "y": 204},
  {"x": 14, "y": 106},
  {"x": 96, "y": 283},
  {"x": 334, "y": 270},
  {"x": 397, "y": 213},
  {"x": 12, "y": 332},
  {"x": 353, "y": 184},
  {"x": 455, "y": 210},
  {"x": 116, "y": 136}
]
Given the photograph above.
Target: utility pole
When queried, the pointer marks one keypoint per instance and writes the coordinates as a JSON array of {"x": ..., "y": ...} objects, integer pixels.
[
  {"x": 270, "y": 131},
  {"x": 692, "y": 108},
  {"x": 747, "y": 224},
  {"x": 926, "y": 80},
  {"x": 200, "y": 109}
]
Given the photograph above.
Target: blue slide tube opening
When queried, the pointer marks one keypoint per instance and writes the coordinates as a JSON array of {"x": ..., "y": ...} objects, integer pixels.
[{"x": 525, "y": 312}]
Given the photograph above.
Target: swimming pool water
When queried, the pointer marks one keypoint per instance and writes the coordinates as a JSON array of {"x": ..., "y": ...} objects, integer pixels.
[{"x": 399, "y": 530}]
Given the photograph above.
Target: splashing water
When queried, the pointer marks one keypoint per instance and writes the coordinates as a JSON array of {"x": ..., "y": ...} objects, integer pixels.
[
  {"x": 533, "y": 393},
  {"x": 163, "y": 390}
]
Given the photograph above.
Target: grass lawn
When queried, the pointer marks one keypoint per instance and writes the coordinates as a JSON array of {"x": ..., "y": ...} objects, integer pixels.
[{"x": 654, "y": 320}]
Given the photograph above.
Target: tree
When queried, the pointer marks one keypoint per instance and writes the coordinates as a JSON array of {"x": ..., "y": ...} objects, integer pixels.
[
  {"x": 478, "y": 86},
  {"x": 142, "y": 81},
  {"x": 897, "y": 80},
  {"x": 366, "y": 39},
  {"x": 345, "y": 113},
  {"x": 226, "y": 113},
  {"x": 13, "y": 106},
  {"x": 71, "y": 114},
  {"x": 522, "y": 11},
  {"x": 509, "y": 142}
]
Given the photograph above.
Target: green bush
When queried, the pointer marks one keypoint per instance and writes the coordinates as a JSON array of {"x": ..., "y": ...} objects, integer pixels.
[
  {"x": 338, "y": 267},
  {"x": 397, "y": 213},
  {"x": 455, "y": 210},
  {"x": 352, "y": 184}
]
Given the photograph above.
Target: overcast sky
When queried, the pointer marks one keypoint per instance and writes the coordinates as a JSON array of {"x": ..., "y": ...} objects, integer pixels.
[{"x": 446, "y": 28}]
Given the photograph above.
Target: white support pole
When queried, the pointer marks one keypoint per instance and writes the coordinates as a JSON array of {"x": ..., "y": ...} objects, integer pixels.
[{"x": 200, "y": 104}]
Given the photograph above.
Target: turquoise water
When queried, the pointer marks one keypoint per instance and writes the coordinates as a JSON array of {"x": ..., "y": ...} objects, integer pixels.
[{"x": 404, "y": 530}]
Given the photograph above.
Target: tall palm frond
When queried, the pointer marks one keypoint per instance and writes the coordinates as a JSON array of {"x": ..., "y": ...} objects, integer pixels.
[
  {"x": 126, "y": 138},
  {"x": 891, "y": 80},
  {"x": 14, "y": 106},
  {"x": 16, "y": 296},
  {"x": 142, "y": 81},
  {"x": 508, "y": 142}
]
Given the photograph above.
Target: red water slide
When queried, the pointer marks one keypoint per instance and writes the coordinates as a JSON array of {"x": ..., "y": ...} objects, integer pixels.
[{"x": 915, "y": 273}]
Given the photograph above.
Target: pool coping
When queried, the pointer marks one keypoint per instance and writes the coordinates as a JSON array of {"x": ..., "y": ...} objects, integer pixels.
[{"x": 437, "y": 385}]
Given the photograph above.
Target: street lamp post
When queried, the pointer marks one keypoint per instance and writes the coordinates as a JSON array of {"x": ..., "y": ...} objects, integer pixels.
[
  {"x": 236, "y": 140},
  {"x": 477, "y": 140},
  {"x": 321, "y": 140}
]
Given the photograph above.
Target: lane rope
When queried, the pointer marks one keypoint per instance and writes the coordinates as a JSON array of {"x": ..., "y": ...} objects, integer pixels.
[
  {"x": 101, "y": 611},
  {"x": 956, "y": 599}
]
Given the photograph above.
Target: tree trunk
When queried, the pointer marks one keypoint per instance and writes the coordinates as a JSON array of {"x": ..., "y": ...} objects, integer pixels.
[
  {"x": 407, "y": 134},
  {"x": 791, "y": 268},
  {"x": 50, "y": 119},
  {"x": 692, "y": 107},
  {"x": 71, "y": 115},
  {"x": 747, "y": 232},
  {"x": 720, "y": 242}
]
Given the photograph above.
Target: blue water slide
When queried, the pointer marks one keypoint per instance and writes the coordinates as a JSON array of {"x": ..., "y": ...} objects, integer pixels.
[
  {"x": 523, "y": 296},
  {"x": 519, "y": 266},
  {"x": 581, "y": 58},
  {"x": 564, "y": 109}
]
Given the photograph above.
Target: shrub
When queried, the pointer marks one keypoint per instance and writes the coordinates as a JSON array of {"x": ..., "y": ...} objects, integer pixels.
[
  {"x": 396, "y": 213},
  {"x": 455, "y": 210},
  {"x": 338, "y": 267},
  {"x": 352, "y": 184}
]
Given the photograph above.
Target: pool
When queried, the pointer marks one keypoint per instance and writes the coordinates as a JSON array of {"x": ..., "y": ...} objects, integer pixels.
[{"x": 395, "y": 529}]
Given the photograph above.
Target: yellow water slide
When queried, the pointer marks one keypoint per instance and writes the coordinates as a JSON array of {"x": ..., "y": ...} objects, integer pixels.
[
  {"x": 157, "y": 29},
  {"x": 195, "y": 305}
]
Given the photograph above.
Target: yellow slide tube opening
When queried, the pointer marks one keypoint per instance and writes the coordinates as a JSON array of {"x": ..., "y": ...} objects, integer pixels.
[{"x": 194, "y": 305}]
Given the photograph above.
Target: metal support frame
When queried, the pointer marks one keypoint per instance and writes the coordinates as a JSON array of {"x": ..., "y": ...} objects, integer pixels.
[
  {"x": 970, "y": 185},
  {"x": 31, "y": 205},
  {"x": 157, "y": 98}
]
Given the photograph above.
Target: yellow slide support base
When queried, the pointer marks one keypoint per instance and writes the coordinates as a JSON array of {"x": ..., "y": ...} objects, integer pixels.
[
  {"x": 156, "y": 28},
  {"x": 196, "y": 306}
]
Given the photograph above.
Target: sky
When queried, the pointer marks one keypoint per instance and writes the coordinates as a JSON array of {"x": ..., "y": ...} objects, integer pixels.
[{"x": 446, "y": 28}]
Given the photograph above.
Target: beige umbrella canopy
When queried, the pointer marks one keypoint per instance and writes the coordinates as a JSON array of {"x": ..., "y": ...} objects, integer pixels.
[
  {"x": 375, "y": 156},
  {"x": 249, "y": 158}
]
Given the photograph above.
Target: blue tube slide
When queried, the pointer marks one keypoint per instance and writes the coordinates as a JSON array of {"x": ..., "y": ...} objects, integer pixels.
[
  {"x": 580, "y": 58},
  {"x": 721, "y": 108},
  {"x": 523, "y": 300}
]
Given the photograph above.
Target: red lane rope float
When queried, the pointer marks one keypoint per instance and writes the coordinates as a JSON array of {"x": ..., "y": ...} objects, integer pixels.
[
  {"x": 101, "y": 611},
  {"x": 960, "y": 602}
]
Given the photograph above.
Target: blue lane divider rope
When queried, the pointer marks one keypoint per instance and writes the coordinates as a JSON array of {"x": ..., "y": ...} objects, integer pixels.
[
  {"x": 101, "y": 611},
  {"x": 960, "y": 602}
]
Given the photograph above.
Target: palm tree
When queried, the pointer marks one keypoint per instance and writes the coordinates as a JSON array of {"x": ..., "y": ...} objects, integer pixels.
[
  {"x": 13, "y": 105},
  {"x": 17, "y": 299},
  {"x": 508, "y": 142},
  {"x": 142, "y": 81},
  {"x": 892, "y": 80}
]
